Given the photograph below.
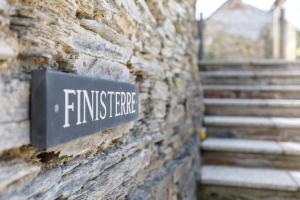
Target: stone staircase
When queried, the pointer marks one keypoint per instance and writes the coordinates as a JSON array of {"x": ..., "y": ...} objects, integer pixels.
[{"x": 252, "y": 116}]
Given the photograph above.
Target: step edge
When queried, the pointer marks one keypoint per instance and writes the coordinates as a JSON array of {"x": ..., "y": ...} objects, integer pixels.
[
  {"x": 285, "y": 88},
  {"x": 281, "y": 148},
  {"x": 244, "y": 149},
  {"x": 250, "y": 63},
  {"x": 293, "y": 188},
  {"x": 271, "y": 122},
  {"x": 251, "y": 102},
  {"x": 248, "y": 74}
]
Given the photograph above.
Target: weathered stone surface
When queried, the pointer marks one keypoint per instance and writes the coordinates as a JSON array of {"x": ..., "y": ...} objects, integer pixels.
[
  {"x": 7, "y": 51},
  {"x": 14, "y": 172},
  {"x": 14, "y": 100},
  {"x": 148, "y": 43},
  {"x": 174, "y": 180},
  {"x": 250, "y": 146},
  {"x": 262, "y": 128},
  {"x": 233, "y": 193},
  {"x": 250, "y": 153},
  {"x": 14, "y": 134},
  {"x": 253, "y": 107},
  {"x": 252, "y": 149},
  {"x": 267, "y": 187},
  {"x": 250, "y": 178},
  {"x": 273, "y": 122}
]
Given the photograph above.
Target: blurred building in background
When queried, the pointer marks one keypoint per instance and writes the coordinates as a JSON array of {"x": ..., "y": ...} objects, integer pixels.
[{"x": 240, "y": 31}]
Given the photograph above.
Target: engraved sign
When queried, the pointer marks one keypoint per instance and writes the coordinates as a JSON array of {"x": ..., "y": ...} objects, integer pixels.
[{"x": 67, "y": 106}]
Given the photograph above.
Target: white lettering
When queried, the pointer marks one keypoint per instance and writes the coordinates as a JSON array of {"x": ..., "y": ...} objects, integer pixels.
[
  {"x": 133, "y": 102},
  {"x": 68, "y": 106},
  {"x": 120, "y": 103},
  {"x": 110, "y": 93},
  {"x": 103, "y": 105},
  {"x": 78, "y": 107},
  {"x": 97, "y": 105},
  {"x": 123, "y": 102},
  {"x": 128, "y": 102},
  {"x": 117, "y": 103},
  {"x": 86, "y": 101}
]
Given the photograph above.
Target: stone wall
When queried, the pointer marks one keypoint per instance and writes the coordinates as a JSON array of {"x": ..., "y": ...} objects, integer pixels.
[
  {"x": 149, "y": 43},
  {"x": 221, "y": 45}
]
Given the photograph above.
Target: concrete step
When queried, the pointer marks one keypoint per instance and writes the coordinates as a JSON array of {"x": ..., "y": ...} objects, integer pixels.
[
  {"x": 252, "y": 91},
  {"x": 262, "y": 77},
  {"x": 249, "y": 65},
  {"x": 223, "y": 182},
  {"x": 253, "y": 73},
  {"x": 252, "y": 107},
  {"x": 251, "y": 153},
  {"x": 260, "y": 128}
]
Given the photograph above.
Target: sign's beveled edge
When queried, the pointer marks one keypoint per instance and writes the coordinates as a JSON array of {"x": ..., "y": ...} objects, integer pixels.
[{"x": 38, "y": 129}]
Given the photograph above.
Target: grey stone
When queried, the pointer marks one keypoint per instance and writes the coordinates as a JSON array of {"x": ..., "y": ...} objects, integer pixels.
[
  {"x": 14, "y": 100},
  {"x": 250, "y": 178},
  {"x": 252, "y": 109},
  {"x": 148, "y": 43},
  {"x": 253, "y": 73},
  {"x": 7, "y": 51},
  {"x": 290, "y": 148},
  {"x": 254, "y": 102},
  {"x": 239, "y": 145},
  {"x": 250, "y": 62},
  {"x": 14, "y": 134},
  {"x": 100, "y": 68},
  {"x": 107, "y": 33},
  {"x": 273, "y": 88},
  {"x": 14, "y": 172},
  {"x": 272, "y": 122}
]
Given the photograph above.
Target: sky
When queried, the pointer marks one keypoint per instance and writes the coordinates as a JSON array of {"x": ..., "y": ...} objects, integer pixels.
[{"x": 292, "y": 8}]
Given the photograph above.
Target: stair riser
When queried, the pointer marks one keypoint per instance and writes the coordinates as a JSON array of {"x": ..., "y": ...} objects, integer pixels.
[
  {"x": 254, "y": 133},
  {"x": 212, "y": 192},
  {"x": 232, "y": 67},
  {"x": 252, "y": 94},
  {"x": 249, "y": 81},
  {"x": 258, "y": 160},
  {"x": 228, "y": 110}
]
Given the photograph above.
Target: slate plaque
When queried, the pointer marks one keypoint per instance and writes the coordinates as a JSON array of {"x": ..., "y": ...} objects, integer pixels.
[{"x": 67, "y": 106}]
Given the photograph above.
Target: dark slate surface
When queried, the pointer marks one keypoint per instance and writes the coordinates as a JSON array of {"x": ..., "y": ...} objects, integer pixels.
[{"x": 48, "y": 106}]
